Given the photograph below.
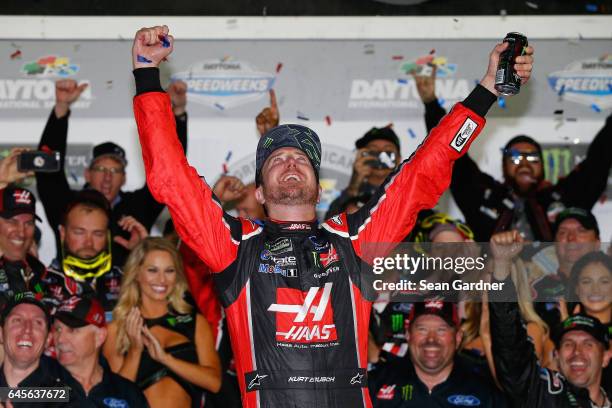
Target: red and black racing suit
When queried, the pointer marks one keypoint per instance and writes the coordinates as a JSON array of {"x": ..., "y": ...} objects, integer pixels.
[{"x": 296, "y": 304}]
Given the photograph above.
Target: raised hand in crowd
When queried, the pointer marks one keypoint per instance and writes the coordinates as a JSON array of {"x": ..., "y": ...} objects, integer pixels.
[
  {"x": 149, "y": 50},
  {"x": 564, "y": 311},
  {"x": 426, "y": 85},
  {"x": 505, "y": 246},
  {"x": 523, "y": 66},
  {"x": 178, "y": 97},
  {"x": 67, "y": 91},
  {"x": 8, "y": 168},
  {"x": 228, "y": 188},
  {"x": 137, "y": 231},
  {"x": 269, "y": 117}
]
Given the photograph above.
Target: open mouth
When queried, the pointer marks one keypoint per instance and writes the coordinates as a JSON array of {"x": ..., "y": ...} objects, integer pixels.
[
  {"x": 431, "y": 352},
  {"x": 160, "y": 289},
  {"x": 17, "y": 241},
  {"x": 578, "y": 366},
  {"x": 25, "y": 344},
  {"x": 291, "y": 177}
]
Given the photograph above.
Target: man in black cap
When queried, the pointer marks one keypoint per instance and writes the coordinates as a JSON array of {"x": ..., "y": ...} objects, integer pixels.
[
  {"x": 295, "y": 300},
  {"x": 19, "y": 271},
  {"x": 431, "y": 375},
  {"x": 378, "y": 154},
  {"x": 106, "y": 171},
  {"x": 524, "y": 200},
  {"x": 582, "y": 345},
  {"x": 79, "y": 333},
  {"x": 25, "y": 323},
  {"x": 85, "y": 265},
  {"x": 576, "y": 234}
]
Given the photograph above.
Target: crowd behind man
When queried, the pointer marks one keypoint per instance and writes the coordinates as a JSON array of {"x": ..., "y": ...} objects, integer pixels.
[{"x": 123, "y": 319}]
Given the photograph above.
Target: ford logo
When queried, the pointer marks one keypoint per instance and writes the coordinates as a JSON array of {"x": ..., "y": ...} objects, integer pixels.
[{"x": 464, "y": 400}]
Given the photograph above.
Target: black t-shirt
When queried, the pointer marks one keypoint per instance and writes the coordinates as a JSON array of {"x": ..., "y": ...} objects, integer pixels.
[
  {"x": 396, "y": 385},
  {"x": 112, "y": 391},
  {"x": 49, "y": 373}
]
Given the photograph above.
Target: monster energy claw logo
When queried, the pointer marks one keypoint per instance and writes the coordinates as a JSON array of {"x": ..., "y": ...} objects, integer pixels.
[
  {"x": 397, "y": 322},
  {"x": 407, "y": 392},
  {"x": 311, "y": 150},
  {"x": 268, "y": 142}
]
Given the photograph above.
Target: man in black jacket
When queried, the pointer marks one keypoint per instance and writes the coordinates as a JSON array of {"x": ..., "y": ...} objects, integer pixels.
[
  {"x": 85, "y": 265},
  {"x": 106, "y": 172},
  {"x": 79, "y": 333},
  {"x": 581, "y": 347},
  {"x": 25, "y": 323},
  {"x": 432, "y": 376},
  {"x": 19, "y": 271},
  {"x": 524, "y": 201}
]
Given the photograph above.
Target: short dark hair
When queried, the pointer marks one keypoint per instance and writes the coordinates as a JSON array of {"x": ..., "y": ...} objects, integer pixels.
[
  {"x": 523, "y": 139},
  {"x": 88, "y": 198}
]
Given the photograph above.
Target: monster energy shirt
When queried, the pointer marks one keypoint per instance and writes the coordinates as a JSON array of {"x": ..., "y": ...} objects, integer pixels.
[{"x": 396, "y": 385}]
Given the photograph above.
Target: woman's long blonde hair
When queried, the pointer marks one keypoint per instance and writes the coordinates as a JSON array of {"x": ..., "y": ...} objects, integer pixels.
[
  {"x": 130, "y": 295},
  {"x": 473, "y": 310}
]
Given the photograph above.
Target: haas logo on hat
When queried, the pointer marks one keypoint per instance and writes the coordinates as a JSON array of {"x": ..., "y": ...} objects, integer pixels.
[
  {"x": 22, "y": 197},
  {"x": 434, "y": 304},
  {"x": 69, "y": 304}
]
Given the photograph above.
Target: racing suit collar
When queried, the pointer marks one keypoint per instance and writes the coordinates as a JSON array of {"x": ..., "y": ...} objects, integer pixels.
[{"x": 289, "y": 227}]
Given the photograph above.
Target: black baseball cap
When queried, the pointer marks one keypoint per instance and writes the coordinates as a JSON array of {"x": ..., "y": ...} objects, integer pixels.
[
  {"x": 16, "y": 200},
  {"x": 78, "y": 312},
  {"x": 109, "y": 149},
  {"x": 437, "y": 307},
  {"x": 298, "y": 136},
  {"x": 384, "y": 133},
  {"x": 587, "y": 324},
  {"x": 21, "y": 298},
  {"x": 584, "y": 217}
]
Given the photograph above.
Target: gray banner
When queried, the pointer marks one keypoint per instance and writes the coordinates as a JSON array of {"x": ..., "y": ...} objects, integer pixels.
[{"x": 343, "y": 80}]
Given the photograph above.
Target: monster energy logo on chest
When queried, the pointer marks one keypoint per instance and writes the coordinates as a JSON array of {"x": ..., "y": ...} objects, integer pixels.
[
  {"x": 407, "y": 392},
  {"x": 397, "y": 322}
]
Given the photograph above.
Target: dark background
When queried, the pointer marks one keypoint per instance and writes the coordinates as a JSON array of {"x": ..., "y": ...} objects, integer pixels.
[{"x": 302, "y": 7}]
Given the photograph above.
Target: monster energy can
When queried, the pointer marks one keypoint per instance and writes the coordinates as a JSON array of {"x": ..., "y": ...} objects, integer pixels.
[{"x": 507, "y": 81}]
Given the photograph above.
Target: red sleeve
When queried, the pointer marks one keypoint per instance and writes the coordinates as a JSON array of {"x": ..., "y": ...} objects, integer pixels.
[
  {"x": 417, "y": 184},
  {"x": 198, "y": 218}
]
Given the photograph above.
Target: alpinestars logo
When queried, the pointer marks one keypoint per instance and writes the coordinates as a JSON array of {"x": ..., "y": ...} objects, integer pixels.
[
  {"x": 357, "y": 379},
  {"x": 310, "y": 322},
  {"x": 256, "y": 382}
]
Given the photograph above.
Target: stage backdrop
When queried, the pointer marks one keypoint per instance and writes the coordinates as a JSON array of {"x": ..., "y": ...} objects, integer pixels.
[{"x": 339, "y": 88}]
